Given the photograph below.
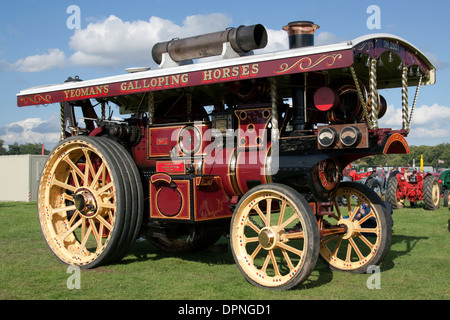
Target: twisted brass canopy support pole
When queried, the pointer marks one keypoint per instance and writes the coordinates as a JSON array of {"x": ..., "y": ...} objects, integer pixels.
[
  {"x": 373, "y": 92},
  {"x": 361, "y": 98},
  {"x": 63, "y": 126},
  {"x": 151, "y": 107},
  {"x": 405, "y": 97},
  {"x": 414, "y": 104}
]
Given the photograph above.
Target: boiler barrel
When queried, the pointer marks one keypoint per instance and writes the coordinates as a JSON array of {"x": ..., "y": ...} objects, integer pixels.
[{"x": 242, "y": 39}]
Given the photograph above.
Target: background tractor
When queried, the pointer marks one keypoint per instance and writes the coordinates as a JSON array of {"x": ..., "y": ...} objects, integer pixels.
[
  {"x": 413, "y": 186},
  {"x": 445, "y": 186}
]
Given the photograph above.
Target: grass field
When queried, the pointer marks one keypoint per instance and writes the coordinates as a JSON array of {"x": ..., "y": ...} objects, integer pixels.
[{"x": 417, "y": 267}]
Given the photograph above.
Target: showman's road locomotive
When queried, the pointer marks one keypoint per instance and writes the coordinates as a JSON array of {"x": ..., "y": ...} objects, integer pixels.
[{"x": 250, "y": 146}]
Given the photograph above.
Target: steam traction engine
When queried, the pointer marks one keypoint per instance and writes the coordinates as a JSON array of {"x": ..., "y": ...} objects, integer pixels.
[{"x": 250, "y": 145}]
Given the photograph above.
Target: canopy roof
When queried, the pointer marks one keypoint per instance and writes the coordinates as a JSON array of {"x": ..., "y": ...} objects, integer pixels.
[{"x": 393, "y": 52}]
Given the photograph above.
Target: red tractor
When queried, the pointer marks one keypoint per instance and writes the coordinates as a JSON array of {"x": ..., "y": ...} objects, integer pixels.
[
  {"x": 413, "y": 186},
  {"x": 246, "y": 145}
]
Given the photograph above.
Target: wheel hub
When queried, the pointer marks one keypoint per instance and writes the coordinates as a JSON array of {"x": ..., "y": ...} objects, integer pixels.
[
  {"x": 349, "y": 227},
  {"x": 85, "y": 203},
  {"x": 267, "y": 238}
]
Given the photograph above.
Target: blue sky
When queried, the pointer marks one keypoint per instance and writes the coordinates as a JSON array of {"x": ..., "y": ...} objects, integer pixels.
[{"x": 37, "y": 47}]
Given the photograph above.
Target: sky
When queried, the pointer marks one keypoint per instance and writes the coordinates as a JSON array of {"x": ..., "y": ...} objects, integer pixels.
[{"x": 45, "y": 42}]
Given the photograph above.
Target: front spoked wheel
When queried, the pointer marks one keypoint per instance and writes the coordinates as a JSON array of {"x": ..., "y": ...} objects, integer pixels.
[
  {"x": 86, "y": 202},
  {"x": 274, "y": 237},
  {"x": 358, "y": 233}
]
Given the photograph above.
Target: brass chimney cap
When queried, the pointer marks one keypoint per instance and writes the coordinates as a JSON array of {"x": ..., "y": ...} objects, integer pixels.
[{"x": 300, "y": 27}]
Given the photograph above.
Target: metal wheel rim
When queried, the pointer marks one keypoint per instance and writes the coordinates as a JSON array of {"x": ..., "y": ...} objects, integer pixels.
[
  {"x": 268, "y": 256},
  {"x": 77, "y": 236},
  {"x": 435, "y": 196},
  {"x": 346, "y": 243}
]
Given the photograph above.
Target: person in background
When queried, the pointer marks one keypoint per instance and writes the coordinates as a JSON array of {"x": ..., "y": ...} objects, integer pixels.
[{"x": 393, "y": 173}]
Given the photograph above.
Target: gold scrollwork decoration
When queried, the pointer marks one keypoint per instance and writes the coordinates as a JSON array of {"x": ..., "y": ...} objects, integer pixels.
[
  {"x": 37, "y": 99},
  {"x": 306, "y": 63},
  {"x": 365, "y": 47}
]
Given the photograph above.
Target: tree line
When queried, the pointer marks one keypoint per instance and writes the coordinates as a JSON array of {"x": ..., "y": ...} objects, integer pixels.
[{"x": 27, "y": 148}]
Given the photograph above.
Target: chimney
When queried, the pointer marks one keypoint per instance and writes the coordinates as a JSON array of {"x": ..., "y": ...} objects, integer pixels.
[{"x": 301, "y": 34}]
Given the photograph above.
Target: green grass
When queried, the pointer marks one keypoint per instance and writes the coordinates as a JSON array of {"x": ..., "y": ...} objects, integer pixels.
[{"x": 416, "y": 267}]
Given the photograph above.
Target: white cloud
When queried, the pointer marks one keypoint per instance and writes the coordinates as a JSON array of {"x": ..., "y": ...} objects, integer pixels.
[
  {"x": 392, "y": 118},
  {"x": 55, "y": 58},
  {"x": 277, "y": 40},
  {"x": 428, "y": 122},
  {"x": 32, "y": 130},
  {"x": 438, "y": 63},
  {"x": 326, "y": 37},
  {"x": 114, "y": 42},
  {"x": 435, "y": 114}
]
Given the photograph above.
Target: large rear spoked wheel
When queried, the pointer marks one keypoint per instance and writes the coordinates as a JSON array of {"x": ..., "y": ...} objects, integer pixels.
[
  {"x": 358, "y": 233},
  {"x": 274, "y": 237},
  {"x": 85, "y": 203}
]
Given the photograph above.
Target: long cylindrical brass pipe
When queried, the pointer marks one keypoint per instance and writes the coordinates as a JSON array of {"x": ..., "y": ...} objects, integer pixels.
[{"x": 242, "y": 39}]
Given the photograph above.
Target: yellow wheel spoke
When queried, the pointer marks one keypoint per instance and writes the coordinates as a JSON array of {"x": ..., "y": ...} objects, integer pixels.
[
  {"x": 290, "y": 249},
  {"x": 266, "y": 264},
  {"x": 260, "y": 213},
  {"x": 287, "y": 258},
  {"x": 105, "y": 223},
  {"x": 356, "y": 249},
  {"x": 68, "y": 197},
  {"x": 63, "y": 185},
  {"x": 294, "y": 235},
  {"x": 74, "y": 217},
  {"x": 98, "y": 234},
  {"x": 282, "y": 210},
  {"x": 63, "y": 209},
  {"x": 104, "y": 188},
  {"x": 100, "y": 172},
  {"x": 75, "y": 178},
  {"x": 254, "y": 253},
  {"x": 74, "y": 167},
  {"x": 366, "y": 241},
  {"x": 269, "y": 204},
  {"x": 71, "y": 229},
  {"x": 366, "y": 217},
  {"x": 349, "y": 252},
  {"x": 250, "y": 240},
  {"x": 274, "y": 263},
  {"x": 252, "y": 225},
  {"x": 85, "y": 237},
  {"x": 89, "y": 168},
  {"x": 287, "y": 222},
  {"x": 338, "y": 246},
  {"x": 107, "y": 205}
]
